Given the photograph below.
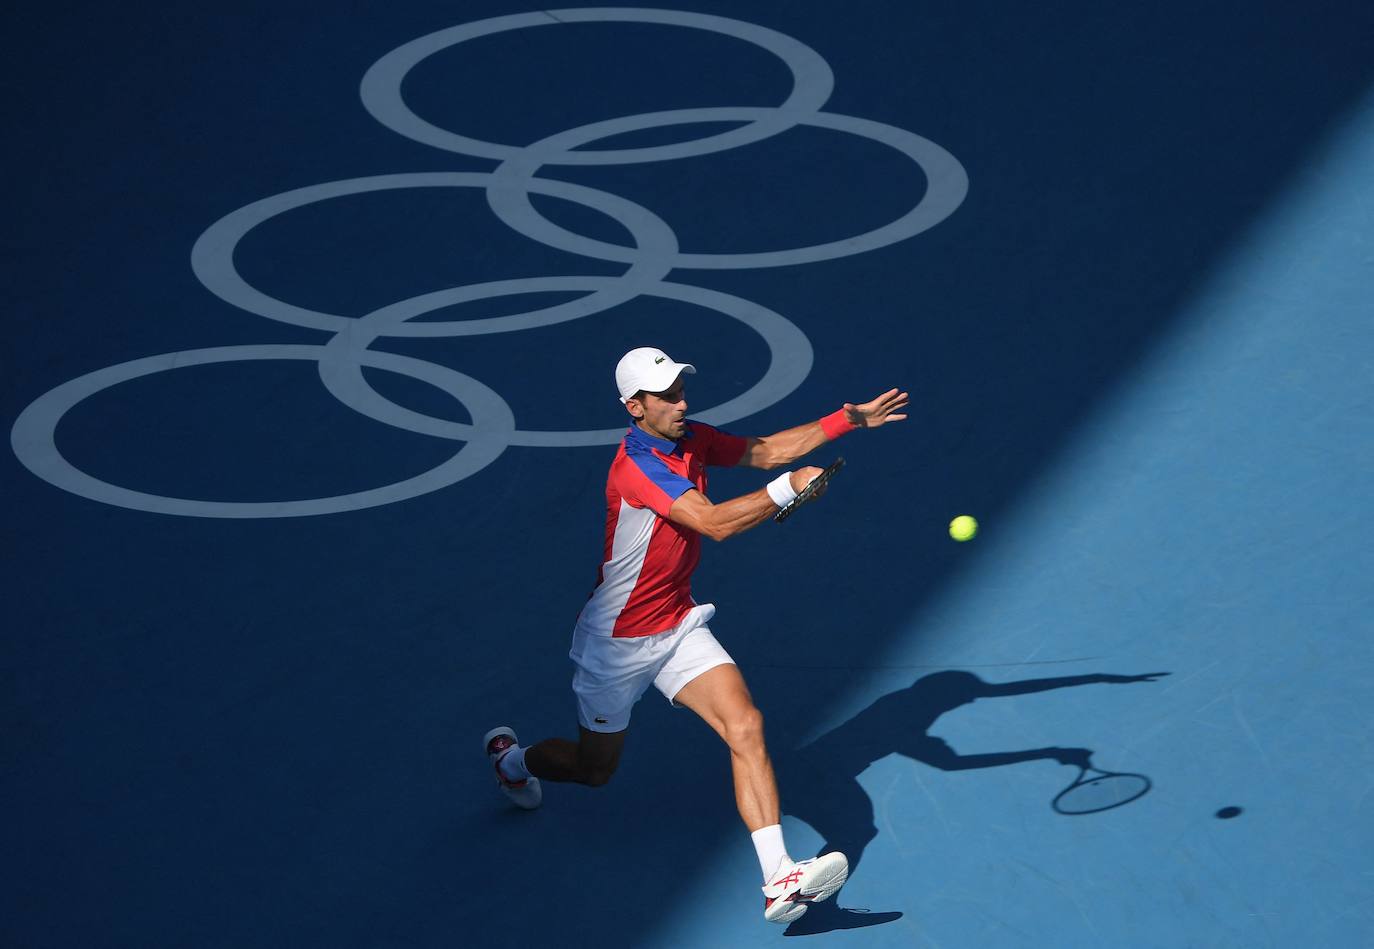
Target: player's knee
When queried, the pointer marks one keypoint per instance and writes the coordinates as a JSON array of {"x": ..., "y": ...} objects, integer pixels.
[
  {"x": 597, "y": 772},
  {"x": 744, "y": 731},
  {"x": 598, "y": 776}
]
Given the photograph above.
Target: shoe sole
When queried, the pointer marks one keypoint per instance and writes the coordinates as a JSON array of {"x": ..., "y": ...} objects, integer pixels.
[
  {"x": 828, "y": 882},
  {"x": 528, "y": 797},
  {"x": 790, "y": 913}
]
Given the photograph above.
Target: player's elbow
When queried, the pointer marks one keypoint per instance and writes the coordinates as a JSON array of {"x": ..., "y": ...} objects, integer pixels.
[
  {"x": 771, "y": 460},
  {"x": 718, "y": 532},
  {"x": 717, "y": 528}
]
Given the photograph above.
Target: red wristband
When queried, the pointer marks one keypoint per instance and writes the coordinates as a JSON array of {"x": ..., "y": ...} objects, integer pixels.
[{"x": 836, "y": 424}]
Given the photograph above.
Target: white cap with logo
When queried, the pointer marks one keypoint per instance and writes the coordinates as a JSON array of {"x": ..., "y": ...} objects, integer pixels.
[{"x": 647, "y": 370}]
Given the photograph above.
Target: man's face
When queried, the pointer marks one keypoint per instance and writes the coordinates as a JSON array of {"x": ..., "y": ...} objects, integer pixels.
[{"x": 661, "y": 413}]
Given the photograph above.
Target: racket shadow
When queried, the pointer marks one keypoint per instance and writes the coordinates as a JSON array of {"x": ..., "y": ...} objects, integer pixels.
[
  {"x": 1095, "y": 791},
  {"x": 820, "y": 782}
]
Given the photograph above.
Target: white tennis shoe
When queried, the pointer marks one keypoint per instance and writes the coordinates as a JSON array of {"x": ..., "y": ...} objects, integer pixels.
[
  {"x": 525, "y": 793},
  {"x": 796, "y": 885}
]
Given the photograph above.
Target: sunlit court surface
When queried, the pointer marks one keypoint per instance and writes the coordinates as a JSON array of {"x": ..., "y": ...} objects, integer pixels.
[{"x": 313, "y": 312}]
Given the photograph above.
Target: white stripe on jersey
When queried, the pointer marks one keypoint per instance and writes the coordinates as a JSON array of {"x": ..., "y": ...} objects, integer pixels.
[{"x": 633, "y": 529}]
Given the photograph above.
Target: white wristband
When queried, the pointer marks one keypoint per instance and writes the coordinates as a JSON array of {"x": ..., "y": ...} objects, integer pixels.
[{"x": 781, "y": 491}]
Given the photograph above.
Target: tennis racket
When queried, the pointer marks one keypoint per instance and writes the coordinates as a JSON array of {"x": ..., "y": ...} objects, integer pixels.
[
  {"x": 1096, "y": 790},
  {"x": 809, "y": 492}
]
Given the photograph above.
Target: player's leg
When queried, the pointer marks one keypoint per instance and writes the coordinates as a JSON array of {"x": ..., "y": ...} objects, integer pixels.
[
  {"x": 722, "y": 700},
  {"x": 715, "y": 690},
  {"x": 591, "y": 760},
  {"x": 609, "y": 676}
]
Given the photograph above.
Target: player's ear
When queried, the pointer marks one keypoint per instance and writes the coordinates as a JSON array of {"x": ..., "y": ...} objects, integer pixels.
[{"x": 635, "y": 406}]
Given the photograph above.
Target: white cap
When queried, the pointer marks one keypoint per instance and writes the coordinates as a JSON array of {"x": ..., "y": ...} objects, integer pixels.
[{"x": 647, "y": 370}]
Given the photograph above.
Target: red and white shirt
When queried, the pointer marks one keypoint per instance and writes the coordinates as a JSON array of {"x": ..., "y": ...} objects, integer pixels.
[{"x": 644, "y": 585}]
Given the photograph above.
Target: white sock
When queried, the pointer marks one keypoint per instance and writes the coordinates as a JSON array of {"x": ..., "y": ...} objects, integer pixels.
[
  {"x": 513, "y": 764},
  {"x": 771, "y": 850}
]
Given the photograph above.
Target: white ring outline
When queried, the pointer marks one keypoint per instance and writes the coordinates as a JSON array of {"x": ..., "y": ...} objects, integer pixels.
[
  {"x": 212, "y": 256},
  {"x": 790, "y": 358},
  {"x": 33, "y": 437},
  {"x": 654, "y": 255},
  {"x": 812, "y": 83},
  {"x": 946, "y": 188}
]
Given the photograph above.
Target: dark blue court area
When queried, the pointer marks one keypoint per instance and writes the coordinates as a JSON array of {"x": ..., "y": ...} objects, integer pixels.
[{"x": 312, "y": 315}]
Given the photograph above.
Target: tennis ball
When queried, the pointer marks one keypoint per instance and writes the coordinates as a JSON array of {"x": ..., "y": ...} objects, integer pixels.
[{"x": 963, "y": 528}]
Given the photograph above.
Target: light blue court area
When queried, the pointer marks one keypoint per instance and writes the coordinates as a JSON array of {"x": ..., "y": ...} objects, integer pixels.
[
  {"x": 312, "y": 317},
  {"x": 1212, "y": 520}
]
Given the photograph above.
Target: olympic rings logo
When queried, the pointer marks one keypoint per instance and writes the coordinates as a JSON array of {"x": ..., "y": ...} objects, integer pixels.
[{"x": 652, "y": 257}]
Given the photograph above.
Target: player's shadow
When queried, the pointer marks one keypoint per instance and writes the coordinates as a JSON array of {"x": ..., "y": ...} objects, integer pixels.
[{"x": 820, "y": 779}]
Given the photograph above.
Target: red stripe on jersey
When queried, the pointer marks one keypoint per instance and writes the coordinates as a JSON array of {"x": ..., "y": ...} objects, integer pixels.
[{"x": 644, "y": 584}]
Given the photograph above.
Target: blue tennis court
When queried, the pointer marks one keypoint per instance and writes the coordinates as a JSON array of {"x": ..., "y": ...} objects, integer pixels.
[{"x": 313, "y": 314}]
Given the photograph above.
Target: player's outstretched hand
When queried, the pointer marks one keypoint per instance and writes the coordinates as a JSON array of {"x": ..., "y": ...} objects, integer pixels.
[{"x": 879, "y": 411}]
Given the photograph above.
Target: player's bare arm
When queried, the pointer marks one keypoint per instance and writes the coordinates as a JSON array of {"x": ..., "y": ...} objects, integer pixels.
[
  {"x": 783, "y": 448},
  {"x": 719, "y": 521}
]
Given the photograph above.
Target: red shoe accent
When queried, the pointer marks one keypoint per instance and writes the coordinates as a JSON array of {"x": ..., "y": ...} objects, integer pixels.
[
  {"x": 504, "y": 745},
  {"x": 505, "y": 781}
]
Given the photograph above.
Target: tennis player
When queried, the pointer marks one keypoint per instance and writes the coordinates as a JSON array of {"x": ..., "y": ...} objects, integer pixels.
[{"x": 641, "y": 625}]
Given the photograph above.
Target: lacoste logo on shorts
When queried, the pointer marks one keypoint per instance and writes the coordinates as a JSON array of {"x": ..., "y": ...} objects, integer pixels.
[{"x": 601, "y": 721}]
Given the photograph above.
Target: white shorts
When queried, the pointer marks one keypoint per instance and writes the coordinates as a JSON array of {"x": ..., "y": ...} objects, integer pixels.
[{"x": 611, "y": 674}]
